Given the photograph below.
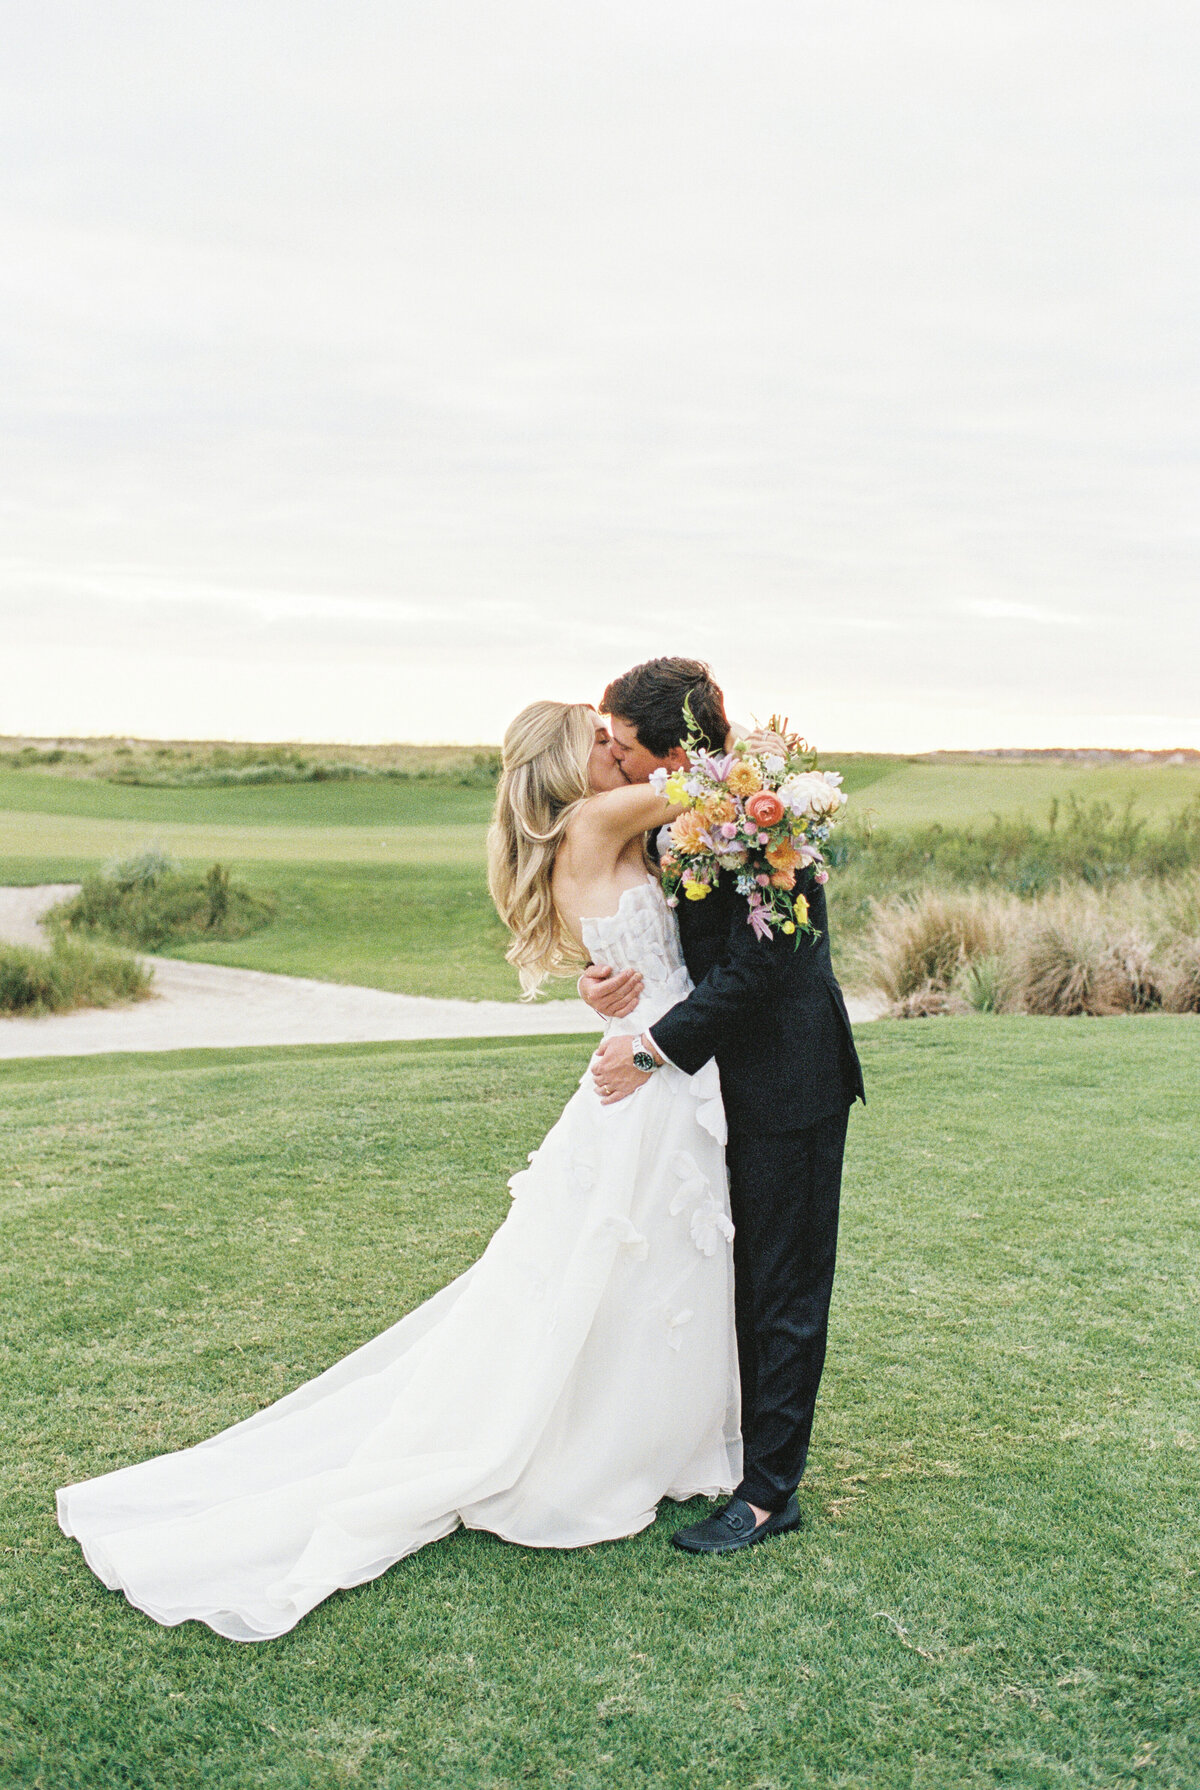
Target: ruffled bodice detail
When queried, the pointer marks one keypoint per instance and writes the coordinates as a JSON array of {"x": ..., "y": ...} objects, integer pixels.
[{"x": 642, "y": 935}]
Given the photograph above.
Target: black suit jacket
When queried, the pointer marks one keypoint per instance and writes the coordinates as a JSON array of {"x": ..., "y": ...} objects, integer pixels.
[{"x": 770, "y": 1011}]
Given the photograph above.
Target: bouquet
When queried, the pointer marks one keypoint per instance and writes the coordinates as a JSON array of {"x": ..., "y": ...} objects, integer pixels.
[{"x": 762, "y": 816}]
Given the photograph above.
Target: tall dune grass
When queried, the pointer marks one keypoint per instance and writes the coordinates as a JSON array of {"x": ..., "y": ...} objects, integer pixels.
[
  {"x": 1079, "y": 951},
  {"x": 71, "y": 974}
]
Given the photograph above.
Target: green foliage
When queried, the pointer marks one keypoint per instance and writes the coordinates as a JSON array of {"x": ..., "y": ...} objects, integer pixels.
[
  {"x": 992, "y": 1588},
  {"x": 227, "y": 769},
  {"x": 149, "y": 902},
  {"x": 144, "y": 870},
  {"x": 197, "y": 763},
  {"x": 1091, "y": 842},
  {"x": 71, "y": 974},
  {"x": 24, "y": 758}
]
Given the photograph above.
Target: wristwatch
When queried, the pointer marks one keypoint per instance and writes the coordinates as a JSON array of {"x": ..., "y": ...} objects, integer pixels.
[{"x": 641, "y": 1057}]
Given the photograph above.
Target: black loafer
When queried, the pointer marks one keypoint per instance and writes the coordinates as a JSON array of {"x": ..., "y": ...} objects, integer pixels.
[{"x": 735, "y": 1527}]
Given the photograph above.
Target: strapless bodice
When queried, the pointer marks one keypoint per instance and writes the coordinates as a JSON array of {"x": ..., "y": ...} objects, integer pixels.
[{"x": 641, "y": 935}]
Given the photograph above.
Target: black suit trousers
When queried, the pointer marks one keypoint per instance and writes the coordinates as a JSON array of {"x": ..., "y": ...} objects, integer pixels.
[{"x": 784, "y": 1191}]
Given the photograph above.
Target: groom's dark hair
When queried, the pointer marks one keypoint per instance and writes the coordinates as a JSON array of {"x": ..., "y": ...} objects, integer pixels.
[{"x": 651, "y": 698}]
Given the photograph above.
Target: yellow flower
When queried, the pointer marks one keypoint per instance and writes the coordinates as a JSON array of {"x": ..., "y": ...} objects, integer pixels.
[
  {"x": 745, "y": 779},
  {"x": 800, "y": 908},
  {"x": 675, "y": 790},
  {"x": 695, "y": 891},
  {"x": 788, "y": 927}
]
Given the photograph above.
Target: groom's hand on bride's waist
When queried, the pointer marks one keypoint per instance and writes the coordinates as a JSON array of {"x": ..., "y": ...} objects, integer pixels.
[
  {"x": 613, "y": 994},
  {"x": 613, "y": 1071}
]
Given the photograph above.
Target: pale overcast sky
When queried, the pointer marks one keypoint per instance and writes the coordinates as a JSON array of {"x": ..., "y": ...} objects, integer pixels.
[{"x": 371, "y": 369}]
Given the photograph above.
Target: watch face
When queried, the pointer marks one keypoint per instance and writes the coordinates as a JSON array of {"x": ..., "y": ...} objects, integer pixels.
[{"x": 644, "y": 1061}]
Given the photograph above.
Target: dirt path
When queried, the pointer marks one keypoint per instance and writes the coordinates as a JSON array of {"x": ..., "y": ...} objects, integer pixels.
[{"x": 208, "y": 1006}]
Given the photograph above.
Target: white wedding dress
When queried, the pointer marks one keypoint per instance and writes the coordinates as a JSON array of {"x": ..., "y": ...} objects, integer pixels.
[{"x": 582, "y": 1370}]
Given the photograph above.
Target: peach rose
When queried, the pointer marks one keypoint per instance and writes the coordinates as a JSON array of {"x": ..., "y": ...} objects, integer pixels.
[{"x": 765, "y": 808}]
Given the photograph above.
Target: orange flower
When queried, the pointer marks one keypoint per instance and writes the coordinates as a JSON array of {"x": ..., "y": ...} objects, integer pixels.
[
  {"x": 717, "y": 808},
  {"x": 745, "y": 778},
  {"x": 686, "y": 832},
  {"x": 784, "y": 879},
  {"x": 784, "y": 856}
]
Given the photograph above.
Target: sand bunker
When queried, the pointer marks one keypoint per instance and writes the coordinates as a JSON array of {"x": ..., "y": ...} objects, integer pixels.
[{"x": 207, "y": 1006}]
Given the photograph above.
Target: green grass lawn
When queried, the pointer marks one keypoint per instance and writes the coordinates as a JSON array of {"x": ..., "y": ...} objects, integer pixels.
[
  {"x": 912, "y": 793},
  {"x": 995, "y": 1583},
  {"x": 424, "y": 803},
  {"x": 424, "y": 928},
  {"x": 415, "y": 929},
  {"x": 46, "y": 815}
]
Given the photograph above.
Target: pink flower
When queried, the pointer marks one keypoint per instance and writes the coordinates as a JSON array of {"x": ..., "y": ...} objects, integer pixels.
[
  {"x": 764, "y": 839},
  {"x": 822, "y": 876},
  {"x": 764, "y": 882},
  {"x": 760, "y": 924},
  {"x": 729, "y": 829}
]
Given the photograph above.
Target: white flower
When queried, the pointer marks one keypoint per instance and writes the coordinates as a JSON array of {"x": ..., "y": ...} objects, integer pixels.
[
  {"x": 732, "y": 860},
  {"x": 693, "y": 1184},
  {"x": 657, "y": 779},
  {"x": 773, "y": 765},
  {"x": 812, "y": 792},
  {"x": 709, "y": 1223}
]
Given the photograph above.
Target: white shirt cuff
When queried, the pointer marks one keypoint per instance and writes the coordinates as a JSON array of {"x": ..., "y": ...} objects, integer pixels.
[{"x": 649, "y": 1033}]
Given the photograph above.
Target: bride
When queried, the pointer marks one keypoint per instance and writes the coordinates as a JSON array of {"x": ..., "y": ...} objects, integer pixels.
[{"x": 580, "y": 1371}]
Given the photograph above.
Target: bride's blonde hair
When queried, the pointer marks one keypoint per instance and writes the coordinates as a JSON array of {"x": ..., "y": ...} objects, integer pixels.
[{"x": 543, "y": 781}]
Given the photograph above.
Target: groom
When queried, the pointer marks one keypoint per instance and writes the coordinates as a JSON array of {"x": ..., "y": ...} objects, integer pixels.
[{"x": 773, "y": 1017}]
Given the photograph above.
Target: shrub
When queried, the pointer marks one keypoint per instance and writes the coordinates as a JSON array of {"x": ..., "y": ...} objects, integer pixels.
[
  {"x": 924, "y": 943},
  {"x": 983, "y": 983},
  {"x": 1076, "y": 952},
  {"x": 223, "y": 768},
  {"x": 150, "y": 903},
  {"x": 1092, "y": 843},
  {"x": 1069, "y": 968},
  {"x": 1181, "y": 977},
  {"x": 70, "y": 974},
  {"x": 142, "y": 871}
]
